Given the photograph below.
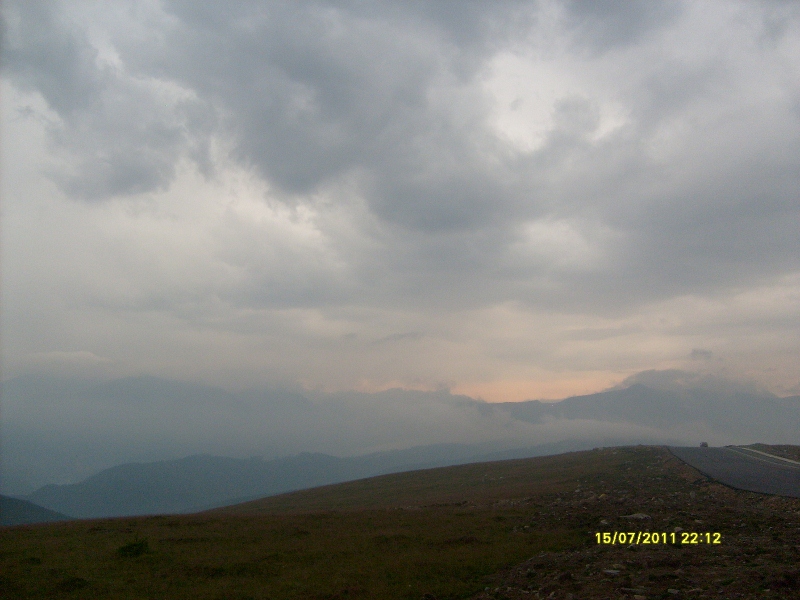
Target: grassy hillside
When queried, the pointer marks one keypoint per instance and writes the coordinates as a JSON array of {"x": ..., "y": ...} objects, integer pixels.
[
  {"x": 476, "y": 484},
  {"x": 443, "y": 533}
]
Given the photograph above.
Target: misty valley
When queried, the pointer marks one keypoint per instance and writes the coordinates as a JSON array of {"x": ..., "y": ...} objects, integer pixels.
[{"x": 494, "y": 518}]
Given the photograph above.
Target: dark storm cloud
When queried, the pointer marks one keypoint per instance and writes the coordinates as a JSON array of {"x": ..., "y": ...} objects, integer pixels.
[
  {"x": 115, "y": 134},
  {"x": 607, "y": 24},
  {"x": 314, "y": 91},
  {"x": 42, "y": 55},
  {"x": 387, "y": 97}
]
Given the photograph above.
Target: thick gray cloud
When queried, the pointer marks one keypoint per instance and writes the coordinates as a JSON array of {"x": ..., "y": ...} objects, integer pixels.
[
  {"x": 115, "y": 134},
  {"x": 315, "y": 92},
  {"x": 609, "y": 24},
  {"x": 43, "y": 55},
  {"x": 407, "y": 167}
]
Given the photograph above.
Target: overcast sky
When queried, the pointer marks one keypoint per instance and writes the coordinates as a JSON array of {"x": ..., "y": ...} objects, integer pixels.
[{"x": 510, "y": 200}]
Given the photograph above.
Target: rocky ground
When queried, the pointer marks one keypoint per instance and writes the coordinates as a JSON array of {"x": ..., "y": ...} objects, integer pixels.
[{"x": 758, "y": 557}]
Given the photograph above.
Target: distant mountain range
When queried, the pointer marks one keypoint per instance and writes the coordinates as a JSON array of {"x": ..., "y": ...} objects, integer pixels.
[
  {"x": 203, "y": 482},
  {"x": 49, "y": 420},
  {"x": 724, "y": 413},
  {"x": 14, "y": 511}
]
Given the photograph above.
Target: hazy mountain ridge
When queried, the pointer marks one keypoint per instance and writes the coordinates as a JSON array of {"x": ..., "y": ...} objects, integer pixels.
[
  {"x": 739, "y": 413},
  {"x": 156, "y": 418},
  {"x": 15, "y": 511},
  {"x": 180, "y": 485},
  {"x": 202, "y": 482}
]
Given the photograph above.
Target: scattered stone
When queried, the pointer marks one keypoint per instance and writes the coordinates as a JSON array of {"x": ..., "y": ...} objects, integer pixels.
[{"x": 742, "y": 567}]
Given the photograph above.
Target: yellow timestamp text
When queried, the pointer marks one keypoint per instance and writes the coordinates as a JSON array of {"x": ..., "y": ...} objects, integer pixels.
[{"x": 658, "y": 537}]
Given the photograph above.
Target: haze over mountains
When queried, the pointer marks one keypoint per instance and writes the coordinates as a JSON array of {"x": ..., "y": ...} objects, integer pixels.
[
  {"x": 200, "y": 446},
  {"x": 201, "y": 482},
  {"x": 14, "y": 511}
]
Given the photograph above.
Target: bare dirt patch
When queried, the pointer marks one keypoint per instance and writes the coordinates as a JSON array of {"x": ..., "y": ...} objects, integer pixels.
[{"x": 758, "y": 557}]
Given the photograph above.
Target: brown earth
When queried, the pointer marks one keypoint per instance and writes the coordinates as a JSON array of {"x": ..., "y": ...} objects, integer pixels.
[{"x": 758, "y": 555}]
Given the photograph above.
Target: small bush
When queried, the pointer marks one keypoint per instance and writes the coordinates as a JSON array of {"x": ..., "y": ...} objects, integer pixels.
[
  {"x": 136, "y": 548},
  {"x": 71, "y": 584}
]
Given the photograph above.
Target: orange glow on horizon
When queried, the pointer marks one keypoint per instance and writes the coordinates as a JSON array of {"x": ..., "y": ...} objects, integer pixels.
[
  {"x": 547, "y": 387},
  {"x": 550, "y": 390}
]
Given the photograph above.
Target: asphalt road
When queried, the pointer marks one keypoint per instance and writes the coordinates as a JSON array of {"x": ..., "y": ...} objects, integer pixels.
[{"x": 744, "y": 469}]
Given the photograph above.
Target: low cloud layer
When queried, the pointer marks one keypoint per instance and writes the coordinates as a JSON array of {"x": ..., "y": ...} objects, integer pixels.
[
  {"x": 61, "y": 430},
  {"x": 509, "y": 200}
]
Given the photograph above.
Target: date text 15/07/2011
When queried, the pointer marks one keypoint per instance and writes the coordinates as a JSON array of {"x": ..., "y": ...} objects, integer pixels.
[{"x": 656, "y": 537}]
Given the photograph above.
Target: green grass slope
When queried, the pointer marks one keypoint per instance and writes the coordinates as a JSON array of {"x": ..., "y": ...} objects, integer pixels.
[{"x": 443, "y": 533}]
